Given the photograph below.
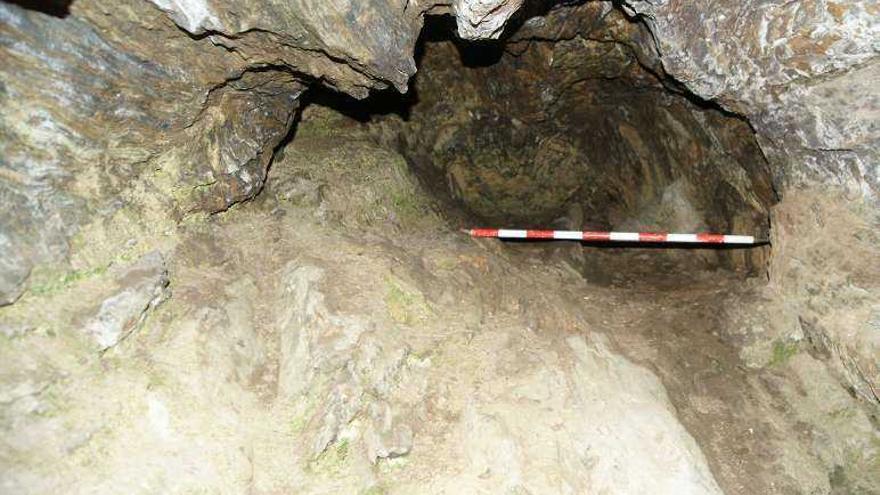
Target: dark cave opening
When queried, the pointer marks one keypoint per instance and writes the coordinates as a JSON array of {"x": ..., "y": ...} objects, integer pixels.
[
  {"x": 55, "y": 8},
  {"x": 577, "y": 134}
]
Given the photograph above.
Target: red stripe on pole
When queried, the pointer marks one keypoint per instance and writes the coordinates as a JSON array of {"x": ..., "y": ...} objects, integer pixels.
[
  {"x": 539, "y": 234},
  {"x": 659, "y": 237},
  {"x": 711, "y": 238},
  {"x": 596, "y": 236},
  {"x": 652, "y": 237},
  {"x": 484, "y": 232}
]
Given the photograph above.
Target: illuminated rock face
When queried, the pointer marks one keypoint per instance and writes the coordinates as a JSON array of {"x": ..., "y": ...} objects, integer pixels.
[{"x": 800, "y": 72}]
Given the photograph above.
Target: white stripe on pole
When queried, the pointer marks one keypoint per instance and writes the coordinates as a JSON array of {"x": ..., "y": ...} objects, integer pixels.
[
  {"x": 739, "y": 239},
  {"x": 568, "y": 235},
  {"x": 682, "y": 238},
  {"x": 624, "y": 236},
  {"x": 512, "y": 234}
]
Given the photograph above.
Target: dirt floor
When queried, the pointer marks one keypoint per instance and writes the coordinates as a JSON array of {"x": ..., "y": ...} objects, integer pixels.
[{"x": 338, "y": 335}]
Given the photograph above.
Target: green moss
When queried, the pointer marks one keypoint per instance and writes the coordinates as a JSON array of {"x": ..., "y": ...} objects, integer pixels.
[
  {"x": 303, "y": 412},
  {"x": 405, "y": 306},
  {"x": 53, "y": 401},
  {"x": 367, "y": 185},
  {"x": 424, "y": 354},
  {"x": 156, "y": 379},
  {"x": 447, "y": 263},
  {"x": 49, "y": 283},
  {"x": 5, "y": 343},
  {"x": 410, "y": 208},
  {"x": 782, "y": 352},
  {"x": 342, "y": 450},
  {"x": 332, "y": 460},
  {"x": 298, "y": 423},
  {"x": 842, "y": 414},
  {"x": 390, "y": 465}
]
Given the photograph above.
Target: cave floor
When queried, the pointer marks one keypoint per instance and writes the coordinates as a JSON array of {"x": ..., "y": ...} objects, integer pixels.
[
  {"x": 689, "y": 326},
  {"x": 317, "y": 342},
  {"x": 294, "y": 355},
  {"x": 336, "y": 335}
]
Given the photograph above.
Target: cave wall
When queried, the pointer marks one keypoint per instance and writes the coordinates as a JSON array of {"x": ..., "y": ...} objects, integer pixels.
[
  {"x": 579, "y": 121},
  {"x": 141, "y": 113},
  {"x": 803, "y": 75},
  {"x": 101, "y": 120},
  {"x": 801, "y": 71}
]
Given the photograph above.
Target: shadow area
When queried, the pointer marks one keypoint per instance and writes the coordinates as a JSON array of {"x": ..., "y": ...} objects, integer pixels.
[{"x": 55, "y": 8}]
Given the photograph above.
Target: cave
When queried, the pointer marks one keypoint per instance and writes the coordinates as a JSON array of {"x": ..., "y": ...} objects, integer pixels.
[
  {"x": 237, "y": 257},
  {"x": 579, "y": 134}
]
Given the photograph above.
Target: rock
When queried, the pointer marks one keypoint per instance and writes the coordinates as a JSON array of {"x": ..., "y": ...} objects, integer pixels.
[
  {"x": 825, "y": 268},
  {"x": 351, "y": 45},
  {"x": 583, "y": 122},
  {"x": 141, "y": 287},
  {"x": 356, "y": 182},
  {"x": 312, "y": 340},
  {"x": 335, "y": 413},
  {"x": 629, "y": 412},
  {"x": 233, "y": 142},
  {"x": 300, "y": 191},
  {"x": 577, "y": 420},
  {"x": 483, "y": 19},
  {"x": 99, "y": 116},
  {"x": 14, "y": 270},
  {"x": 318, "y": 345},
  {"x": 134, "y": 119},
  {"x": 384, "y": 437},
  {"x": 102, "y": 89},
  {"x": 781, "y": 64}
]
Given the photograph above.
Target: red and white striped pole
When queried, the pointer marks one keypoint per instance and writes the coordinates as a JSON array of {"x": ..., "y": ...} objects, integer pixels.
[{"x": 645, "y": 237}]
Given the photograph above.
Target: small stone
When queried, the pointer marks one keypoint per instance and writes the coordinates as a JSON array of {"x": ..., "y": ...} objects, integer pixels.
[
  {"x": 142, "y": 286},
  {"x": 386, "y": 438}
]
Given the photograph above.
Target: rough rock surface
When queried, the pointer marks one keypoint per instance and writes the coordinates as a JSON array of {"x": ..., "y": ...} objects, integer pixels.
[
  {"x": 787, "y": 66},
  {"x": 99, "y": 121},
  {"x": 835, "y": 307},
  {"x": 142, "y": 286},
  {"x": 483, "y": 19},
  {"x": 803, "y": 74},
  {"x": 102, "y": 88},
  {"x": 320, "y": 39},
  {"x": 354, "y": 371}
]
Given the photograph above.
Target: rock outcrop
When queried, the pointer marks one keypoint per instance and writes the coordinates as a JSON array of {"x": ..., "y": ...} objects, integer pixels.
[
  {"x": 139, "y": 289},
  {"x": 99, "y": 112}
]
